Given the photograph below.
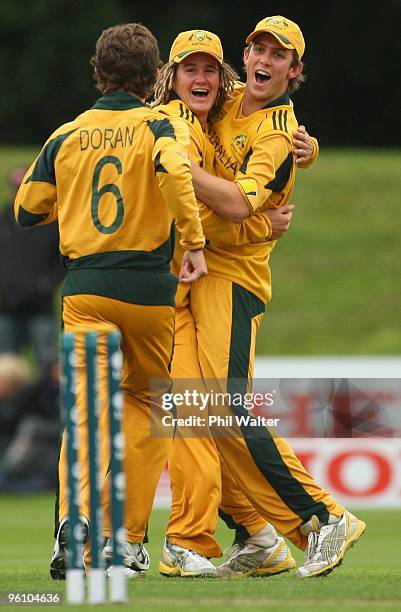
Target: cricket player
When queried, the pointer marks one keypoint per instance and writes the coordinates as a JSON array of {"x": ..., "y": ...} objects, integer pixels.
[
  {"x": 118, "y": 180},
  {"x": 189, "y": 84},
  {"x": 254, "y": 168},
  {"x": 195, "y": 88}
]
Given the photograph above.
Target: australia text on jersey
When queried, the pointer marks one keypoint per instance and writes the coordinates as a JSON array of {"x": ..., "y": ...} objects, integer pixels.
[{"x": 221, "y": 152}]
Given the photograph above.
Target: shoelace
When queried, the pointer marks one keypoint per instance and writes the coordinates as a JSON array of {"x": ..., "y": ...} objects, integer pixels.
[
  {"x": 141, "y": 554},
  {"x": 141, "y": 550},
  {"x": 316, "y": 543},
  {"x": 244, "y": 551},
  {"x": 311, "y": 551},
  {"x": 184, "y": 554},
  {"x": 231, "y": 552}
]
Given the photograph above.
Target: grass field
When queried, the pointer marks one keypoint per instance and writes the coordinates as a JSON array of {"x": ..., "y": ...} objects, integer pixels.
[
  {"x": 335, "y": 274},
  {"x": 369, "y": 578}
]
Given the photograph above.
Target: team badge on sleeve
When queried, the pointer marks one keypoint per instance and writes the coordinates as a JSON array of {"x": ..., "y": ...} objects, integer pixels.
[{"x": 250, "y": 188}]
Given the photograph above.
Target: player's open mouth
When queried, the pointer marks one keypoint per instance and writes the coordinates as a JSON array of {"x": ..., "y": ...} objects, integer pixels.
[
  {"x": 262, "y": 77},
  {"x": 200, "y": 93}
]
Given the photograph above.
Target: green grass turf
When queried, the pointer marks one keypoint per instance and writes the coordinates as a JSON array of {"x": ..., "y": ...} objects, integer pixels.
[
  {"x": 369, "y": 577},
  {"x": 335, "y": 273}
]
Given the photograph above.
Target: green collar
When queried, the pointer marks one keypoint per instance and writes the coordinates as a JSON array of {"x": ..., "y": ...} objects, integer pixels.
[
  {"x": 117, "y": 100},
  {"x": 284, "y": 99},
  {"x": 174, "y": 96}
]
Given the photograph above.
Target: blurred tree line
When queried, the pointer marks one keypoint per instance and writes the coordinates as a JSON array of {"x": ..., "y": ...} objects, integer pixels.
[{"x": 353, "y": 52}]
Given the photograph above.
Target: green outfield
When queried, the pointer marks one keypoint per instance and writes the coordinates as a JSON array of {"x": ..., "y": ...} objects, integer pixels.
[
  {"x": 336, "y": 271},
  {"x": 369, "y": 578}
]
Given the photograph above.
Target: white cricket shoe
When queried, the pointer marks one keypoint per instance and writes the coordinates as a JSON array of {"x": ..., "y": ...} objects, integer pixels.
[
  {"x": 250, "y": 560},
  {"x": 179, "y": 561},
  {"x": 327, "y": 544},
  {"x": 128, "y": 573},
  {"x": 136, "y": 558},
  {"x": 58, "y": 563}
]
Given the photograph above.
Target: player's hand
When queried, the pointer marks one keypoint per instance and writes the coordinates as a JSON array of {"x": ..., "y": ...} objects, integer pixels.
[
  {"x": 193, "y": 266},
  {"x": 280, "y": 219},
  {"x": 303, "y": 145}
]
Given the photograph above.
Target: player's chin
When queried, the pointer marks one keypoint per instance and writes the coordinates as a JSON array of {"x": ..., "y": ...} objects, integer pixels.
[
  {"x": 261, "y": 89},
  {"x": 205, "y": 103}
]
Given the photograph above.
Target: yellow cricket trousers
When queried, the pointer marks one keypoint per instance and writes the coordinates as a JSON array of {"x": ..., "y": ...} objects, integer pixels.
[
  {"x": 147, "y": 343},
  {"x": 194, "y": 466},
  {"x": 262, "y": 479}
]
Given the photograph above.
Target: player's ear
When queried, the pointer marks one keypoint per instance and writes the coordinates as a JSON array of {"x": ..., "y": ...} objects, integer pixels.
[
  {"x": 295, "y": 70},
  {"x": 246, "y": 54}
]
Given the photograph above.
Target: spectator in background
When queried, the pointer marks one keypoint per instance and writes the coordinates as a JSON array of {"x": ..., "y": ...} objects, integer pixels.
[
  {"x": 30, "y": 272},
  {"x": 15, "y": 374},
  {"x": 31, "y": 419}
]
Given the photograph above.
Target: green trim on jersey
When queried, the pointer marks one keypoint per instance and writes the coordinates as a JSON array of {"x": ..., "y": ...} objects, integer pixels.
[
  {"x": 43, "y": 171},
  {"x": 117, "y": 100},
  {"x": 161, "y": 128},
  {"x": 157, "y": 260},
  {"x": 185, "y": 112},
  {"x": 174, "y": 95},
  {"x": 28, "y": 219},
  {"x": 244, "y": 164},
  {"x": 282, "y": 175},
  {"x": 158, "y": 165},
  {"x": 131, "y": 286},
  {"x": 280, "y": 120},
  {"x": 261, "y": 444},
  {"x": 284, "y": 99}
]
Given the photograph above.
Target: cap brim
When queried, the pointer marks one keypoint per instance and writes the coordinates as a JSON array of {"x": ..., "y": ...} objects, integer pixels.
[
  {"x": 284, "y": 42},
  {"x": 181, "y": 56}
]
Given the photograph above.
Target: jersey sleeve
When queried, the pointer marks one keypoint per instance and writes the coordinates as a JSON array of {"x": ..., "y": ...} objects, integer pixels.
[
  {"x": 173, "y": 173},
  {"x": 196, "y": 146},
  {"x": 36, "y": 200},
  {"x": 256, "y": 228},
  {"x": 266, "y": 169}
]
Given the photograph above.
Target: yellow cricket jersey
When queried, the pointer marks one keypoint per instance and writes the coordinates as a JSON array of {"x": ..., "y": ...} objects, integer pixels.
[
  {"x": 255, "y": 151},
  {"x": 116, "y": 177},
  {"x": 197, "y": 153},
  {"x": 216, "y": 228}
]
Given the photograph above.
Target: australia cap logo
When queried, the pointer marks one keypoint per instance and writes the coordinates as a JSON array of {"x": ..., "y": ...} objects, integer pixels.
[
  {"x": 200, "y": 36},
  {"x": 278, "y": 21}
]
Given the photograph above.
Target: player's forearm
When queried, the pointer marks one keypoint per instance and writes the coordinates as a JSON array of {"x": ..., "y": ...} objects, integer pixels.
[
  {"x": 255, "y": 229},
  {"x": 222, "y": 196}
]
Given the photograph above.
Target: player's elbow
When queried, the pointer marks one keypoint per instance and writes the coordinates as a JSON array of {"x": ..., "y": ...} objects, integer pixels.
[
  {"x": 239, "y": 212},
  {"x": 27, "y": 219},
  {"x": 239, "y": 206}
]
